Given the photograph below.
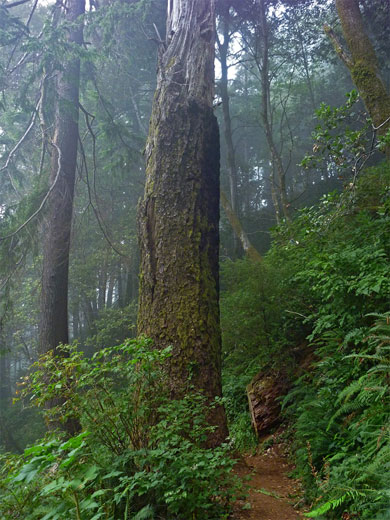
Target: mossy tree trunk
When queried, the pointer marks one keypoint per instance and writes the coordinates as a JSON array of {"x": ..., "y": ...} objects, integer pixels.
[
  {"x": 178, "y": 217},
  {"x": 362, "y": 63}
]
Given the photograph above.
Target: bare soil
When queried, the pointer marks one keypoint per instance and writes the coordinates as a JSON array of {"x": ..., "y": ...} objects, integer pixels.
[{"x": 272, "y": 494}]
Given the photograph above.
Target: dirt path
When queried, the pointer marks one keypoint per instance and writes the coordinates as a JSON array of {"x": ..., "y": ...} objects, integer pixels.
[{"x": 272, "y": 494}]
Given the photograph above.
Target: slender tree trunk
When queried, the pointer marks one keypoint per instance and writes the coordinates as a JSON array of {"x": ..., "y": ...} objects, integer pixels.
[
  {"x": 306, "y": 68},
  {"x": 76, "y": 319},
  {"x": 102, "y": 288},
  {"x": 5, "y": 380},
  {"x": 362, "y": 63},
  {"x": 223, "y": 48},
  {"x": 54, "y": 298},
  {"x": 278, "y": 181},
  {"x": 110, "y": 290},
  {"x": 178, "y": 217},
  {"x": 57, "y": 229},
  {"x": 7, "y": 439},
  {"x": 121, "y": 286}
]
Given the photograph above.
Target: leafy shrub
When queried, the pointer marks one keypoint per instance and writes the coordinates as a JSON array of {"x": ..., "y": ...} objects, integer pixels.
[
  {"x": 113, "y": 326},
  {"x": 139, "y": 455}
]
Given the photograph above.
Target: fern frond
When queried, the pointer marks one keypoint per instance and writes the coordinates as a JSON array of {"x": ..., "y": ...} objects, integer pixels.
[{"x": 146, "y": 513}]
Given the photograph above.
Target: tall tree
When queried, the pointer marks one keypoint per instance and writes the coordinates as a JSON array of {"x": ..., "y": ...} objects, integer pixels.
[
  {"x": 54, "y": 298},
  {"x": 223, "y": 48},
  {"x": 178, "y": 217},
  {"x": 278, "y": 169},
  {"x": 53, "y": 327}
]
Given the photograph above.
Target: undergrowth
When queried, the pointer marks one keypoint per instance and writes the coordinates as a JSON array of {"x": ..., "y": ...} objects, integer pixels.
[
  {"x": 318, "y": 305},
  {"x": 139, "y": 456}
]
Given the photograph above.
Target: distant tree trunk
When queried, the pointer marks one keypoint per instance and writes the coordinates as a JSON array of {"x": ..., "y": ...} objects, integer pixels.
[
  {"x": 121, "y": 285},
  {"x": 178, "y": 217},
  {"x": 102, "y": 288},
  {"x": 278, "y": 181},
  {"x": 7, "y": 439},
  {"x": 110, "y": 290},
  {"x": 5, "y": 380},
  {"x": 54, "y": 297},
  {"x": 362, "y": 63},
  {"x": 223, "y": 48},
  {"x": 76, "y": 319}
]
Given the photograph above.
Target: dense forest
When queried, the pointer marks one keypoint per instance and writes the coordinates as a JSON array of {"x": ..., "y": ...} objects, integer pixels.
[{"x": 194, "y": 258}]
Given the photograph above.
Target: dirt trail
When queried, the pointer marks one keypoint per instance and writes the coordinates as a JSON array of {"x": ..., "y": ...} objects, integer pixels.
[{"x": 272, "y": 494}]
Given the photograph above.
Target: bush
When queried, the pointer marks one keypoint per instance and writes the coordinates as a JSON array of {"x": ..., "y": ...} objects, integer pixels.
[{"x": 139, "y": 455}]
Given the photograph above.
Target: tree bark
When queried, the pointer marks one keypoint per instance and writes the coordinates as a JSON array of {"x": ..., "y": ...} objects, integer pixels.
[
  {"x": 179, "y": 215},
  {"x": 362, "y": 63},
  {"x": 57, "y": 228}
]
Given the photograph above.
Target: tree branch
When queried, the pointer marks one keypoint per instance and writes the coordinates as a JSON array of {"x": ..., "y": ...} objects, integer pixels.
[
  {"x": 95, "y": 208},
  {"x": 250, "y": 251},
  {"x": 15, "y": 4},
  {"x": 44, "y": 200},
  {"x": 341, "y": 52}
]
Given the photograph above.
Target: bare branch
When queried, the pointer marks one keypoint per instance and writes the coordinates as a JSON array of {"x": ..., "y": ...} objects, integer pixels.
[
  {"x": 375, "y": 128},
  {"x": 95, "y": 209},
  {"x": 11, "y": 273},
  {"x": 23, "y": 138}
]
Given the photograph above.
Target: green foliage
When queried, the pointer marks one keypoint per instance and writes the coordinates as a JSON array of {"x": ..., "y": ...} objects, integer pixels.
[
  {"x": 339, "y": 138},
  {"x": 338, "y": 260},
  {"x": 252, "y": 335},
  {"x": 113, "y": 326},
  {"x": 139, "y": 454},
  {"x": 250, "y": 306},
  {"x": 326, "y": 278},
  {"x": 340, "y": 277},
  {"x": 351, "y": 468}
]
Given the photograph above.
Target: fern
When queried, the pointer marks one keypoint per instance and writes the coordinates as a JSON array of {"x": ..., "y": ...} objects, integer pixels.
[
  {"x": 324, "y": 508},
  {"x": 146, "y": 513}
]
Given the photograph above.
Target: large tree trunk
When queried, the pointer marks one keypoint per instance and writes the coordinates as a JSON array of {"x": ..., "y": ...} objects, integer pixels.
[
  {"x": 362, "y": 63},
  {"x": 57, "y": 229},
  {"x": 178, "y": 217}
]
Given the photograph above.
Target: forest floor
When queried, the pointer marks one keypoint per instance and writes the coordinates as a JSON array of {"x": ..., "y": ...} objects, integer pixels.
[{"x": 272, "y": 494}]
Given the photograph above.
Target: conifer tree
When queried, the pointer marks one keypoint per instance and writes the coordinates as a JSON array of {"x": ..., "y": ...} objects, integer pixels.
[{"x": 178, "y": 217}]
